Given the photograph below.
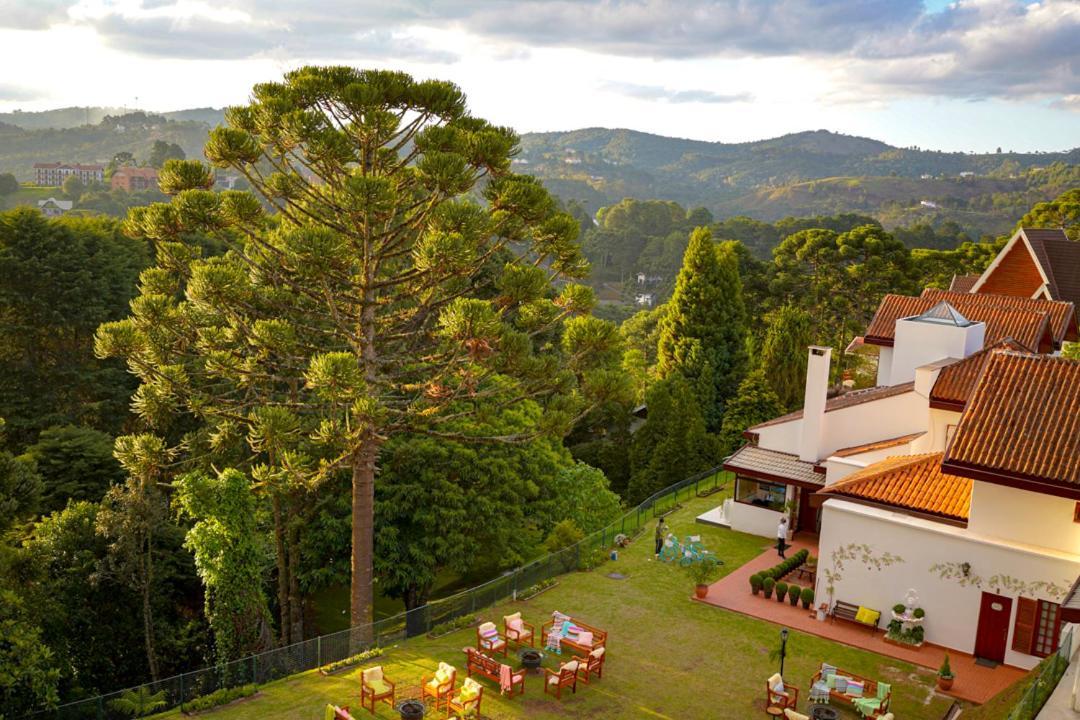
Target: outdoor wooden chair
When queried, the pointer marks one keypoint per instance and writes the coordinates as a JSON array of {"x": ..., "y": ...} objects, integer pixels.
[
  {"x": 519, "y": 631},
  {"x": 566, "y": 676},
  {"x": 439, "y": 687},
  {"x": 777, "y": 701},
  {"x": 375, "y": 687},
  {"x": 465, "y": 701},
  {"x": 592, "y": 664},
  {"x": 489, "y": 640}
]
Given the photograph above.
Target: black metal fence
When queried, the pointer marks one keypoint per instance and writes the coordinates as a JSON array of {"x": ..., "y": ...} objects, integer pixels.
[{"x": 325, "y": 649}]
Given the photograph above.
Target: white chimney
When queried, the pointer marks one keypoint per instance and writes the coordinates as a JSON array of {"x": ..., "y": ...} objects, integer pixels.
[{"x": 817, "y": 388}]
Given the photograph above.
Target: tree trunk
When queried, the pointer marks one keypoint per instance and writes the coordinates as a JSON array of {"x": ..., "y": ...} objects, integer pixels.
[
  {"x": 282, "y": 572},
  {"x": 363, "y": 541},
  {"x": 147, "y": 609},
  {"x": 296, "y": 606}
]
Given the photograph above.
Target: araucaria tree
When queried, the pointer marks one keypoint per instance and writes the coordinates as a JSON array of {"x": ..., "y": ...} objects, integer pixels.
[
  {"x": 703, "y": 333},
  {"x": 403, "y": 282}
]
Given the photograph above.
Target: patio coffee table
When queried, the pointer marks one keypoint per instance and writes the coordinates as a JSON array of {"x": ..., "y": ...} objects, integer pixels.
[{"x": 823, "y": 712}]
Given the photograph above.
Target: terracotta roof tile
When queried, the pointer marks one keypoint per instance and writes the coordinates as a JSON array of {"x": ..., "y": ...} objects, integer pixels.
[
  {"x": 879, "y": 445},
  {"x": 1021, "y": 425},
  {"x": 963, "y": 283},
  {"x": 1062, "y": 314},
  {"x": 956, "y": 382},
  {"x": 773, "y": 465},
  {"x": 1059, "y": 258},
  {"x": 1005, "y": 316},
  {"x": 846, "y": 400},
  {"x": 913, "y": 482}
]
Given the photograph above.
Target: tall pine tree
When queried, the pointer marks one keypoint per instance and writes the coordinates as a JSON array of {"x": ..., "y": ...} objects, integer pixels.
[
  {"x": 703, "y": 335},
  {"x": 783, "y": 353}
]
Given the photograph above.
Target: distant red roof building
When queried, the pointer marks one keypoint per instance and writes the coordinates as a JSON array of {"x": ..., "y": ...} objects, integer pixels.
[{"x": 133, "y": 179}]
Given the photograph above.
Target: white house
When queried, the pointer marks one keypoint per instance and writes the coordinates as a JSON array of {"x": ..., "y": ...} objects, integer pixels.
[
  {"x": 957, "y": 477},
  {"x": 53, "y": 207}
]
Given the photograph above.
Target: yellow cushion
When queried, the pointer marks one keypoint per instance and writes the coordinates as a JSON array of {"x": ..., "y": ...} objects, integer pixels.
[
  {"x": 379, "y": 686},
  {"x": 469, "y": 691},
  {"x": 792, "y": 715},
  {"x": 867, "y": 616},
  {"x": 373, "y": 674},
  {"x": 442, "y": 674}
]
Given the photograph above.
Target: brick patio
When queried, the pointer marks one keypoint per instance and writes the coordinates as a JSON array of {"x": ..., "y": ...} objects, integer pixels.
[{"x": 974, "y": 683}]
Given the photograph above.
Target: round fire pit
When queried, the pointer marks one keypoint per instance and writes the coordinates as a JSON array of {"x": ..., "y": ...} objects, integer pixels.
[
  {"x": 531, "y": 659},
  {"x": 411, "y": 709}
]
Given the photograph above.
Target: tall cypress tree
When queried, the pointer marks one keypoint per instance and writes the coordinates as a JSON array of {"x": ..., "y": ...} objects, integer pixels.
[
  {"x": 703, "y": 335},
  {"x": 783, "y": 353}
]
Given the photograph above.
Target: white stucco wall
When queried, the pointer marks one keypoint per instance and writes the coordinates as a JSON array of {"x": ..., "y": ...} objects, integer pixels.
[
  {"x": 952, "y": 608},
  {"x": 754, "y": 520},
  {"x": 884, "y": 367},
  {"x": 1023, "y": 516},
  {"x": 937, "y": 425},
  {"x": 856, "y": 425},
  {"x": 919, "y": 343}
]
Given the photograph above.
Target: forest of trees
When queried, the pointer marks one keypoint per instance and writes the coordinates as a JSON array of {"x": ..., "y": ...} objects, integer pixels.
[{"x": 380, "y": 364}]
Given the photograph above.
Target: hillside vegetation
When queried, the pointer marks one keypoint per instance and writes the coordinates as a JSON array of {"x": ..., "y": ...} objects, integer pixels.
[{"x": 135, "y": 133}]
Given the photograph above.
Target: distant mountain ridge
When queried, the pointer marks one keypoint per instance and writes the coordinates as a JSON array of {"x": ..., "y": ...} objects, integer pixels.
[{"x": 805, "y": 173}]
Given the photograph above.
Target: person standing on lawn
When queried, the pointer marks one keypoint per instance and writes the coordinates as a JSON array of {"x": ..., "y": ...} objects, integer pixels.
[
  {"x": 781, "y": 536},
  {"x": 661, "y": 528}
]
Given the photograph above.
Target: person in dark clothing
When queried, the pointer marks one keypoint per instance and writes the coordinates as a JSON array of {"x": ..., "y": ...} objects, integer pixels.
[{"x": 661, "y": 528}]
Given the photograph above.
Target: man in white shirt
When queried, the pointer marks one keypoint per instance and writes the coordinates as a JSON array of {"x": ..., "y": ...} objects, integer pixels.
[{"x": 781, "y": 536}]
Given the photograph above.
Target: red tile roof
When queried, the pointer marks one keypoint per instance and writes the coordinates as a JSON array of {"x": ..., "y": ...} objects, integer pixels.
[
  {"x": 956, "y": 382},
  {"x": 1034, "y": 323},
  {"x": 878, "y": 445},
  {"x": 963, "y": 283},
  {"x": 1021, "y": 426},
  {"x": 848, "y": 399},
  {"x": 911, "y": 482}
]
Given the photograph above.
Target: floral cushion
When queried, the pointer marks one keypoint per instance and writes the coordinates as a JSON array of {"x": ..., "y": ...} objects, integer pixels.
[{"x": 470, "y": 690}]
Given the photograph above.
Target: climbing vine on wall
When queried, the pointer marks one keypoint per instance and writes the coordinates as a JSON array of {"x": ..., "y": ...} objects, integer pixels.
[
  {"x": 961, "y": 573},
  {"x": 861, "y": 553}
]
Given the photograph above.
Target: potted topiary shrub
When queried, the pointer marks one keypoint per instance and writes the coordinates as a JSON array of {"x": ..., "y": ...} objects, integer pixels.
[
  {"x": 755, "y": 583},
  {"x": 767, "y": 586},
  {"x": 781, "y": 591},
  {"x": 702, "y": 574},
  {"x": 807, "y": 598},
  {"x": 945, "y": 675},
  {"x": 793, "y": 593}
]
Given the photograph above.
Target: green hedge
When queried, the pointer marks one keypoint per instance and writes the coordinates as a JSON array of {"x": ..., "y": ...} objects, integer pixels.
[{"x": 218, "y": 697}]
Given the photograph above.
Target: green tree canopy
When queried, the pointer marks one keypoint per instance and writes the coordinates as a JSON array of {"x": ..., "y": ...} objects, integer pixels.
[
  {"x": 782, "y": 359},
  {"x": 673, "y": 444},
  {"x": 162, "y": 151},
  {"x": 703, "y": 332},
  {"x": 755, "y": 402},
  {"x": 61, "y": 279},
  {"x": 75, "y": 463},
  {"x": 1062, "y": 212},
  {"x": 381, "y": 299},
  {"x": 8, "y": 184}
]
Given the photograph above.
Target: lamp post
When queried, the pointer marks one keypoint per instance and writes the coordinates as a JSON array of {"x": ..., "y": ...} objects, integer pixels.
[{"x": 783, "y": 648}]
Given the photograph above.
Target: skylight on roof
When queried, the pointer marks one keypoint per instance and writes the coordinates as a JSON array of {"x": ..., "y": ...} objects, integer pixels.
[{"x": 943, "y": 314}]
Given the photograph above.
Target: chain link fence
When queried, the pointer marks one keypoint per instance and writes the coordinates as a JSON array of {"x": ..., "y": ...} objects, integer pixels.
[
  {"x": 325, "y": 649},
  {"x": 1050, "y": 671}
]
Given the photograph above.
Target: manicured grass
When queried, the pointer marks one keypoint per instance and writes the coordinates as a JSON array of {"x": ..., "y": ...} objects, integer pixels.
[
  {"x": 29, "y": 195},
  {"x": 669, "y": 657}
]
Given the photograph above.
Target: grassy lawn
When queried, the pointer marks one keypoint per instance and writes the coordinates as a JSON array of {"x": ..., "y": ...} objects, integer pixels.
[
  {"x": 29, "y": 195},
  {"x": 668, "y": 657}
]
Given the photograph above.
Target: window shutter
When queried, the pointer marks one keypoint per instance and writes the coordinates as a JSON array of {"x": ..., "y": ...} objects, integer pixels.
[{"x": 1027, "y": 615}]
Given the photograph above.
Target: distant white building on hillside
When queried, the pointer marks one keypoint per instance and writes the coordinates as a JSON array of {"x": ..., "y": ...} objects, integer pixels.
[{"x": 53, "y": 207}]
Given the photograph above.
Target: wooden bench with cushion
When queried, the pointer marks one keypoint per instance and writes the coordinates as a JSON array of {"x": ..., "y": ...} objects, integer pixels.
[
  {"x": 847, "y": 611},
  {"x": 576, "y": 646},
  {"x": 870, "y": 691},
  {"x": 477, "y": 662}
]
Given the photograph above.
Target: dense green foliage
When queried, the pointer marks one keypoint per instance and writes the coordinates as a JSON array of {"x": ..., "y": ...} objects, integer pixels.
[
  {"x": 75, "y": 463},
  {"x": 62, "y": 279},
  {"x": 754, "y": 402},
  {"x": 703, "y": 333},
  {"x": 782, "y": 357}
]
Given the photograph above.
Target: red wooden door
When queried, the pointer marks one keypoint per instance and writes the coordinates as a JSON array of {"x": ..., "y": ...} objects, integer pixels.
[
  {"x": 808, "y": 516},
  {"x": 991, "y": 638}
]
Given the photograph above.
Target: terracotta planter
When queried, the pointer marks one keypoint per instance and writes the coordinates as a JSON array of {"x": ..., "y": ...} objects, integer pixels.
[
  {"x": 701, "y": 591},
  {"x": 944, "y": 683}
]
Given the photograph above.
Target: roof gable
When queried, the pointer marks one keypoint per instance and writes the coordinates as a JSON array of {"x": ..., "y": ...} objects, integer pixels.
[{"x": 1021, "y": 425}]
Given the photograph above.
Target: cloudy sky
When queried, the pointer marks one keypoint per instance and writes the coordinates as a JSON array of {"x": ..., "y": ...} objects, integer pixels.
[{"x": 965, "y": 75}]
